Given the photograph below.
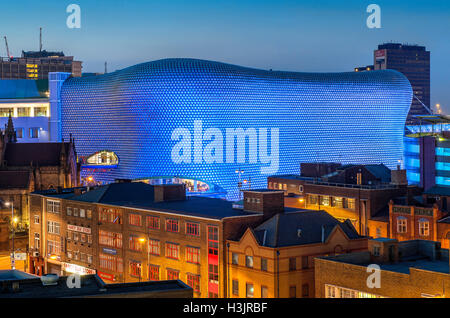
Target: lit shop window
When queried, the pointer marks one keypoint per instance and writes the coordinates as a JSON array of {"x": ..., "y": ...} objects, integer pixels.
[
  {"x": 135, "y": 269},
  {"x": 23, "y": 112},
  {"x": 40, "y": 111},
  {"x": 4, "y": 112}
]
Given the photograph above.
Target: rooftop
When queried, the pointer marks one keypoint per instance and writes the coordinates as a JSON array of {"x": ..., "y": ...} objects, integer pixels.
[
  {"x": 438, "y": 190},
  {"x": 301, "y": 228},
  {"x": 91, "y": 286},
  {"x": 42, "y": 153},
  {"x": 418, "y": 254},
  {"x": 23, "y": 89},
  {"x": 140, "y": 195}
]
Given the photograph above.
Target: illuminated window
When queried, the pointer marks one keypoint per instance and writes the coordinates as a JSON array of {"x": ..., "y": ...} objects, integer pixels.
[
  {"x": 153, "y": 272},
  {"x": 111, "y": 262},
  {"x": 172, "y": 274},
  {"x": 110, "y": 239},
  {"x": 154, "y": 247},
  {"x": 153, "y": 222},
  {"x": 249, "y": 261},
  {"x": 82, "y": 213},
  {"x": 103, "y": 158},
  {"x": 40, "y": 111},
  {"x": 402, "y": 224},
  {"x": 135, "y": 243},
  {"x": 23, "y": 112},
  {"x": 172, "y": 250},
  {"x": 235, "y": 258},
  {"x": 4, "y": 112},
  {"x": 53, "y": 206},
  {"x": 110, "y": 216},
  {"x": 53, "y": 227},
  {"x": 424, "y": 227},
  {"x": 249, "y": 290},
  {"x": 37, "y": 219},
  {"x": 172, "y": 225},
  {"x": 134, "y": 219},
  {"x": 192, "y": 229},
  {"x": 193, "y": 255},
  {"x": 69, "y": 211},
  {"x": 37, "y": 241},
  {"x": 135, "y": 269},
  {"x": 193, "y": 281}
]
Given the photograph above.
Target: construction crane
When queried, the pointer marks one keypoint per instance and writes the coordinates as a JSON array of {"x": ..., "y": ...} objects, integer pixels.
[{"x": 7, "y": 47}]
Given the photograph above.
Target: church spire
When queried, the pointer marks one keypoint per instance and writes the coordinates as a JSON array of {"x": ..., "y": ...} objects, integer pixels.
[{"x": 10, "y": 132}]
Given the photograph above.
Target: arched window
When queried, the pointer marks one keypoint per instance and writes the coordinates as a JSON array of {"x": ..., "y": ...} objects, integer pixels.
[
  {"x": 402, "y": 224},
  {"x": 424, "y": 227},
  {"x": 102, "y": 158}
]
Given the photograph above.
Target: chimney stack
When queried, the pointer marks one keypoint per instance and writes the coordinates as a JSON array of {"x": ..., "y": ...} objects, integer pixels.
[{"x": 267, "y": 202}]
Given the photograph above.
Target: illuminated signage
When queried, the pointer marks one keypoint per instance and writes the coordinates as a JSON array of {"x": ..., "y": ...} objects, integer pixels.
[
  {"x": 77, "y": 269},
  {"x": 77, "y": 228},
  {"x": 109, "y": 251}
]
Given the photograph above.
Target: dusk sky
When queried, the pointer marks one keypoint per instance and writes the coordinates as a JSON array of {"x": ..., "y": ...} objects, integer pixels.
[{"x": 302, "y": 35}]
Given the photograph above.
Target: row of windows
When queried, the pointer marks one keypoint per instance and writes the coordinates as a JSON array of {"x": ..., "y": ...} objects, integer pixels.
[
  {"x": 79, "y": 256},
  {"x": 135, "y": 270},
  {"x": 336, "y": 202},
  {"x": 284, "y": 186},
  {"x": 82, "y": 213},
  {"x": 33, "y": 132},
  {"x": 172, "y": 225},
  {"x": 79, "y": 237},
  {"x": 249, "y": 262},
  {"x": 250, "y": 290},
  {"x": 137, "y": 243},
  {"x": 24, "y": 111},
  {"x": 341, "y": 292},
  {"x": 402, "y": 226}
]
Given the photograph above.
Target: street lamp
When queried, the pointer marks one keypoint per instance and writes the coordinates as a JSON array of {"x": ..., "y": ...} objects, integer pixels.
[
  {"x": 142, "y": 240},
  {"x": 14, "y": 220},
  {"x": 239, "y": 172}
]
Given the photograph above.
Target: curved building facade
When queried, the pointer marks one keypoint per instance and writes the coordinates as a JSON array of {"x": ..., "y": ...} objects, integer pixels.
[{"x": 223, "y": 123}]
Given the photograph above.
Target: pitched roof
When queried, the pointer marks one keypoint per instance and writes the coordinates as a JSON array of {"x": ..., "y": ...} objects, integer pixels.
[
  {"x": 283, "y": 228},
  {"x": 39, "y": 153},
  {"x": 10, "y": 179},
  {"x": 380, "y": 172}
]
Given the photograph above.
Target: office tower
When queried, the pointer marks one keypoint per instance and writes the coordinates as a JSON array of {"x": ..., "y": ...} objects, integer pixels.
[{"x": 414, "y": 62}]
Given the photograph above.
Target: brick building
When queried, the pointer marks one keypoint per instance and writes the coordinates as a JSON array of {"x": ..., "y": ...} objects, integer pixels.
[
  {"x": 132, "y": 231},
  {"x": 276, "y": 258},
  {"x": 26, "y": 167},
  {"x": 408, "y": 269},
  {"x": 359, "y": 193}
]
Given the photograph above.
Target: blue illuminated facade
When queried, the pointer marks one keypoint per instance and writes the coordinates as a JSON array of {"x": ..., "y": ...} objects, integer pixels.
[{"x": 342, "y": 117}]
